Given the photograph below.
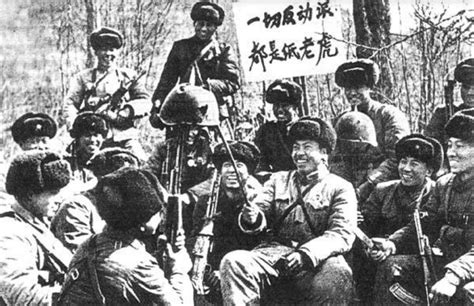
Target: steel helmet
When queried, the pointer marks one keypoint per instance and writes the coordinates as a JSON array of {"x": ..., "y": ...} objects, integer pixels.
[
  {"x": 356, "y": 127},
  {"x": 189, "y": 104}
]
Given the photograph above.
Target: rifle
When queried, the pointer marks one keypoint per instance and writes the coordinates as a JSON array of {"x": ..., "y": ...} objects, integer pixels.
[
  {"x": 425, "y": 254},
  {"x": 165, "y": 171},
  {"x": 448, "y": 98},
  {"x": 204, "y": 244},
  {"x": 364, "y": 238},
  {"x": 114, "y": 100},
  {"x": 174, "y": 209}
]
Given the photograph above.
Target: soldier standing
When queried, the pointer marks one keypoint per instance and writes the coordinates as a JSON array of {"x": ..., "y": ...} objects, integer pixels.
[
  {"x": 32, "y": 260},
  {"x": 311, "y": 213},
  {"x": 357, "y": 77},
  {"x": 200, "y": 60},
  {"x": 464, "y": 74},
  {"x": 98, "y": 89},
  {"x": 449, "y": 223},
  {"x": 272, "y": 137}
]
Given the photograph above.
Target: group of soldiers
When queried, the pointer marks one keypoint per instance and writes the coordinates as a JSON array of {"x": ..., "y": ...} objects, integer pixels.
[{"x": 205, "y": 220}]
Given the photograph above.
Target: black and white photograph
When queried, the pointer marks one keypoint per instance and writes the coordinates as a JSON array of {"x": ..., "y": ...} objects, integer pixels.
[{"x": 237, "y": 152}]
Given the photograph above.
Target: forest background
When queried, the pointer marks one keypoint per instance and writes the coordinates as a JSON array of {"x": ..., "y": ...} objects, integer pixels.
[{"x": 43, "y": 43}]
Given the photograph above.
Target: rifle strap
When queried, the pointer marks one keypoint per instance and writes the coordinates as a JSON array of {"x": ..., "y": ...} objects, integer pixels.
[
  {"x": 447, "y": 197},
  {"x": 59, "y": 259},
  {"x": 91, "y": 257},
  {"x": 299, "y": 201}
]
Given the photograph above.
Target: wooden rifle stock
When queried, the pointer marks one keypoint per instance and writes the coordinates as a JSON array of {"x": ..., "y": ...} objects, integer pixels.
[{"x": 203, "y": 245}]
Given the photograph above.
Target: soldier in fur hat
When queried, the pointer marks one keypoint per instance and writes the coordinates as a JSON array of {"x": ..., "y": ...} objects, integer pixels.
[
  {"x": 34, "y": 131},
  {"x": 449, "y": 223},
  {"x": 89, "y": 131},
  {"x": 200, "y": 60},
  {"x": 463, "y": 74},
  {"x": 95, "y": 89},
  {"x": 229, "y": 201},
  {"x": 272, "y": 137},
  {"x": 33, "y": 261},
  {"x": 390, "y": 206},
  {"x": 309, "y": 213},
  {"x": 357, "y": 77},
  {"x": 77, "y": 218},
  {"x": 130, "y": 201}
]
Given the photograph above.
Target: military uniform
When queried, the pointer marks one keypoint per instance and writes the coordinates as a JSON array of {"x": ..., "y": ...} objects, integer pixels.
[
  {"x": 321, "y": 230},
  {"x": 218, "y": 68},
  {"x": 272, "y": 140},
  {"x": 390, "y": 123},
  {"x": 123, "y": 132},
  {"x": 76, "y": 220},
  {"x": 128, "y": 274},
  {"x": 435, "y": 128},
  {"x": 272, "y": 137},
  {"x": 448, "y": 225},
  {"x": 33, "y": 260}
]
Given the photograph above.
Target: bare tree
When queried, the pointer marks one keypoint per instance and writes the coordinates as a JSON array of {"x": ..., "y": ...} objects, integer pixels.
[{"x": 372, "y": 27}]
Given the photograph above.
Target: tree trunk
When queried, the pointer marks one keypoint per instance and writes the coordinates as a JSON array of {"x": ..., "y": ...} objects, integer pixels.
[
  {"x": 372, "y": 27},
  {"x": 91, "y": 25}
]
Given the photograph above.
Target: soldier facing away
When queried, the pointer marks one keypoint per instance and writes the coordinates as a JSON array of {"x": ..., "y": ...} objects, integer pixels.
[
  {"x": 310, "y": 213},
  {"x": 97, "y": 89}
]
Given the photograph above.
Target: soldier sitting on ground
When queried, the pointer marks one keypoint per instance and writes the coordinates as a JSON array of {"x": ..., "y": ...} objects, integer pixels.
[
  {"x": 272, "y": 137},
  {"x": 34, "y": 131},
  {"x": 448, "y": 223},
  {"x": 227, "y": 235},
  {"x": 32, "y": 260},
  {"x": 88, "y": 131},
  {"x": 114, "y": 267},
  {"x": 391, "y": 205},
  {"x": 77, "y": 218},
  {"x": 310, "y": 213},
  {"x": 357, "y": 77}
]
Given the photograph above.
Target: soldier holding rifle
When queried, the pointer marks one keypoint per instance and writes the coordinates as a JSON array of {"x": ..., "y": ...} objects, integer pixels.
[
  {"x": 391, "y": 204},
  {"x": 215, "y": 216},
  {"x": 117, "y": 93},
  {"x": 448, "y": 224},
  {"x": 310, "y": 213}
]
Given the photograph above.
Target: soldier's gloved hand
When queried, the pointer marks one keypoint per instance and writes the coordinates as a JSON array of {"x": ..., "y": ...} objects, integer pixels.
[
  {"x": 364, "y": 191},
  {"x": 445, "y": 288},
  {"x": 360, "y": 217},
  {"x": 213, "y": 278},
  {"x": 155, "y": 119},
  {"x": 383, "y": 249},
  {"x": 250, "y": 214},
  {"x": 178, "y": 258}
]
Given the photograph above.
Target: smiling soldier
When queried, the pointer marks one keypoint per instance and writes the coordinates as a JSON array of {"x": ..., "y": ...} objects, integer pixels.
[{"x": 309, "y": 213}]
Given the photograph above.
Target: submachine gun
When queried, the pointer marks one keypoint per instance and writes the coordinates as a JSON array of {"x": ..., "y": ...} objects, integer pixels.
[
  {"x": 173, "y": 225},
  {"x": 204, "y": 240},
  {"x": 114, "y": 101}
]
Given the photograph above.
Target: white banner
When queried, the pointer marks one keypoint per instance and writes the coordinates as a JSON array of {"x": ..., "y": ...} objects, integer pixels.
[{"x": 280, "y": 39}]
